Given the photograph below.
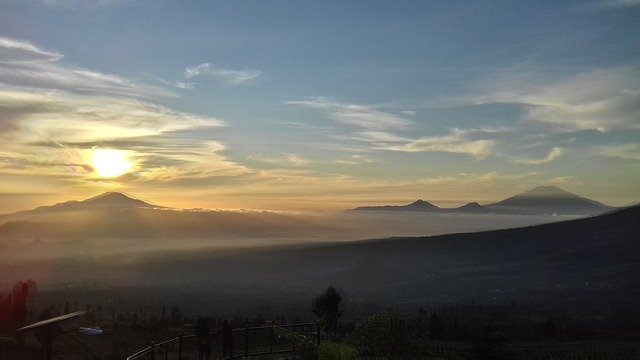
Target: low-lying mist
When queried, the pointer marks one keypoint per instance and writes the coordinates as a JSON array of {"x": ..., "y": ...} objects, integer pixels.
[{"x": 65, "y": 234}]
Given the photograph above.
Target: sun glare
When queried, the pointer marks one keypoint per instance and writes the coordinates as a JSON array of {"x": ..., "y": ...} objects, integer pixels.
[{"x": 110, "y": 163}]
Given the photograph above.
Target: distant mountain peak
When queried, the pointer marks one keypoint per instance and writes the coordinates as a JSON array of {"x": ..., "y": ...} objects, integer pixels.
[
  {"x": 421, "y": 203},
  {"x": 114, "y": 198},
  {"x": 538, "y": 200},
  {"x": 109, "y": 195},
  {"x": 547, "y": 191},
  {"x": 472, "y": 207},
  {"x": 472, "y": 204},
  {"x": 549, "y": 199},
  {"x": 418, "y": 205}
]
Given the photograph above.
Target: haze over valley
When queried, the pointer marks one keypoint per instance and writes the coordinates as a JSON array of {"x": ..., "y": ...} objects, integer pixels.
[
  {"x": 114, "y": 222},
  {"x": 113, "y": 241}
]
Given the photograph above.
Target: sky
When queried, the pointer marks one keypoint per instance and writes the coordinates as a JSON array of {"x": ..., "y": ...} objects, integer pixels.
[{"x": 317, "y": 105}]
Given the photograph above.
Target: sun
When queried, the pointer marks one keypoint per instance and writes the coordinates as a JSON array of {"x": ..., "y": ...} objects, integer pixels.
[{"x": 109, "y": 163}]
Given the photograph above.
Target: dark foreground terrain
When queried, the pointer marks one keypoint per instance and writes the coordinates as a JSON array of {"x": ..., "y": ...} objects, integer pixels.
[
  {"x": 580, "y": 259},
  {"x": 578, "y": 278}
]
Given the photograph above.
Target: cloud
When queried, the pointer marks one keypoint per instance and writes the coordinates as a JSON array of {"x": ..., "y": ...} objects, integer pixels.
[
  {"x": 553, "y": 154},
  {"x": 613, "y": 5},
  {"x": 68, "y": 117},
  {"x": 44, "y": 102},
  {"x": 563, "y": 180},
  {"x": 601, "y": 100},
  {"x": 286, "y": 160},
  {"x": 379, "y": 136},
  {"x": 455, "y": 142},
  {"x": 184, "y": 85},
  {"x": 354, "y": 160},
  {"x": 82, "y": 3},
  {"x": 382, "y": 127},
  {"x": 622, "y": 151},
  {"x": 14, "y": 51},
  {"x": 26, "y": 65},
  {"x": 197, "y": 161},
  {"x": 358, "y": 115},
  {"x": 232, "y": 77}
]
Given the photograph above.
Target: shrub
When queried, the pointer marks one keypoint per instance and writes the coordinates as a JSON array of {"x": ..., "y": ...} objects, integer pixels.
[{"x": 328, "y": 350}]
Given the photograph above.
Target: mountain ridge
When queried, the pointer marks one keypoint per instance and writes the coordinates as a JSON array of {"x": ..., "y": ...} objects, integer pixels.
[
  {"x": 538, "y": 200},
  {"x": 418, "y": 205},
  {"x": 114, "y": 198},
  {"x": 549, "y": 199},
  {"x": 107, "y": 200}
]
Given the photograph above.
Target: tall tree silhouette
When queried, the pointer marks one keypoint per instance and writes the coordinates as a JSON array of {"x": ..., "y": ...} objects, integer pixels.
[
  {"x": 19, "y": 309},
  {"x": 326, "y": 306}
]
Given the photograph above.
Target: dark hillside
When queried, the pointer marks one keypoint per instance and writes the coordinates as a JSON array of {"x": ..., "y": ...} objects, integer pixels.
[{"x": 587, "y": 259}]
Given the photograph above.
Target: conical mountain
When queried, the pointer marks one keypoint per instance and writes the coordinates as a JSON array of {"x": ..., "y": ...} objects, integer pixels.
[
  {"x": 421, "y": 205},
  {"x": 549, "y": 199},
  {"x": 114, "y": 199},
  {"x": 106, "y": 201},
  {"x": 471, "y": 208},
  {"x": 418, "y": 205}
]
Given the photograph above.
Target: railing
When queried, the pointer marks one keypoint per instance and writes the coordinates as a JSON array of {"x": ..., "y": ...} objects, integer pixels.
[{"x": 168, "y": 347}]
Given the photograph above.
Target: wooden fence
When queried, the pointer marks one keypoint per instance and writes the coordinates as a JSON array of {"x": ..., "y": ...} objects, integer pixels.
[{"x": 303, "y": 338}]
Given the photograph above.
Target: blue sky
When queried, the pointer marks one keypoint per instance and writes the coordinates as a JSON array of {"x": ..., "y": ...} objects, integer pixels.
[{"x": 299, "y": 105}]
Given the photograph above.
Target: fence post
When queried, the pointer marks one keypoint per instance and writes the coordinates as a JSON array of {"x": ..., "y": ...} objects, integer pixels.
[
  {"x": 246, "y": 341},
  {"x": 293, "y": 335},
  {"x": 318, "y": 331},
  {"x": 180, "y": 347},
  {"x": 153, "y": 350},
  {"x": 271, "y": 339}
]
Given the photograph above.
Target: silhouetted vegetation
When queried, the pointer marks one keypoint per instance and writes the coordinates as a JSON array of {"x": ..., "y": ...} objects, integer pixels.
[
  {"x": 326, "y": 307},
  {"x": 15, "y": 305}
]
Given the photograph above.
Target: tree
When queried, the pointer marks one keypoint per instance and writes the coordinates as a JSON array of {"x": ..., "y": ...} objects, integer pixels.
[
  {"x": 436, "y": 327},
  {"x": 20, "y": 293},
  {"x": 326, "y": 307}
]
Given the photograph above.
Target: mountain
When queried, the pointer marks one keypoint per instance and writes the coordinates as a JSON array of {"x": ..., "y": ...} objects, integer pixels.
[
  {"x": 549, "y": 199},
  {"x": 471, "y": 208},
  {"x": 537, "y": 201},
  {"x": 106, "y": 201},
  {"x": 596, "y": 254},
  {"x": 114, "y": 200},
  {"x": 418, "y": 205},
  {"x": 115, "y": 216}
]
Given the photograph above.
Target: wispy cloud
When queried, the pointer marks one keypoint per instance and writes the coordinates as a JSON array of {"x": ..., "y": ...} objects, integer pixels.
[
  {"x": 354, "y": 160},
  {"x": 622, "y": 151},
  {"x": 564, "y": 180},
  {"x": 382, "y": 128},
  {"x": 203, "y": 160},
  {"x": 229, "y": 76},
  {"x": 553, "y": 154},
  {"x": 70, "y": 117},
  {"x": 455, "y": 142},
  {"x": 364, "y": 116},
  {"x": 14, "y": 51},
  {"x": 184, "y": 85},
  {"x": 285, "y": 160},
  {"x": 379, "y": 137},
  {"x": 82, "y": 3},
  {"x": 613, "y": 4},
  {"x": 600, "y": 100},
  {"x": 26, "y": 65},
  {"x": 44, "y": 102}
]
